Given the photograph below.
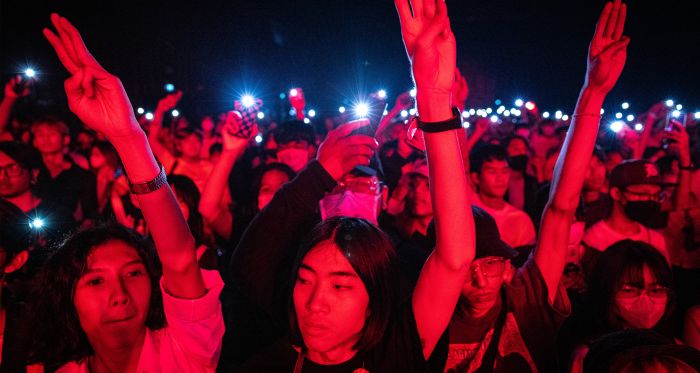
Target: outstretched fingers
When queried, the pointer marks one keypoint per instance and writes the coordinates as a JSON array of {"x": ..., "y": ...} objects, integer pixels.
[
  {"x": 404, "y": 10},
  {"x": 437, "y": 25},
  {"x": 601, "y": 27},
  {"x": 612, "y": 20},
  {"x": 620, "y": 25},
  {"x": 81, "y": 51},
  {"x": 58, "y": 46}
]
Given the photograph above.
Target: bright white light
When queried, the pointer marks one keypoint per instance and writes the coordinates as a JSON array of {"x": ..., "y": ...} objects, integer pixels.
[
  {"x": 381, "y": 93},
  {"x": 638, "y": 127},
  {"x": 558, "y": 114},
  {"x": 247, "y": 101},
  {"x": 472, "y": 111},
  {"x": 175, "y": 113},
  {"x": 617, "y": 126},
  {"x": 140, "y": 110},
  {"x": 307, "y": 120},
  {"x": 169, "y": 87},
  {"x": 341, "y": 109},
  {"x": 494, "y": 119},
  {"x": 602, "y": 111},
  {"x": 515, "y": 111},
  {"x": 412, "y": 92},
  {"x": 625, "y": 105},
  {"x": 466, "y": 124},
  {"x": 500, "y": 109},
  {"x": 618, "y": 115},
  {"x": 489, "y": 110},
  {"x": 518, "y": 102},
  {"x": 697, "y": 115},
  {"x": 679, "y": 107},
  {"x": 36, "y": 223},
  {"x": 361, "y": 110},
  {"x": 149, "y": 116},
  {"x": 669, "y": 103},
  {"x": 465, "y": 114},
  {"x": 261, "y": 115},
  {"x": 293, "y": 112},
  {"x": 29, "y": 72},
  {"x": 545, "y": 115},
  {"x": 386, "y": 112},
  {"x": 258, "y": 139},
  {"x": 676, "y": 113},
  {"x": 293, "y": 92},
  {"x": 630, "y": 117},
  {"x": 481, "y": 113},
  {"x": 312, "y": 113},
  {"x": 564, "y": 117},
  {"x": 404, "y": 113},
  {"x": 412, "y": 111},
  {"x": 529, "y": 105},
  {"x": 506, "y": 113}
]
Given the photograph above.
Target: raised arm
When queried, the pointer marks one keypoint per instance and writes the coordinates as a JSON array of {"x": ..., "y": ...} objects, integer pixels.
[
  {"x": 606, "y": 59},
  {"x": 99, "y": 100},
  {"x": 215, "y": 214},
  {"x": 160, "y": 150},
  {"x": 8, "y": 101},
  {"x": 431, "y": 48}
]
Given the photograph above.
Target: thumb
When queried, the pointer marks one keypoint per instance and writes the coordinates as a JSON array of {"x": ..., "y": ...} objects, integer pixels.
[{"x": 73, "y": 85}]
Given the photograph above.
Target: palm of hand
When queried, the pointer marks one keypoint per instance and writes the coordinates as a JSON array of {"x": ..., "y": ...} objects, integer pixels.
[{"x": 607, "y": 53}]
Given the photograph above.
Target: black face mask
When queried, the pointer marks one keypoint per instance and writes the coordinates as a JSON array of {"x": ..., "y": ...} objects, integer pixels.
[
  {"x": 519, "y": 162},
  {"x": 648, "y": 213}
]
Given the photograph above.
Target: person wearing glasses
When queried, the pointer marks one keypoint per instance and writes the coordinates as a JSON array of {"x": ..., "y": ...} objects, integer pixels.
[
  {"x": 630, "y": 287},
  {"x": 635, "y": 187}
]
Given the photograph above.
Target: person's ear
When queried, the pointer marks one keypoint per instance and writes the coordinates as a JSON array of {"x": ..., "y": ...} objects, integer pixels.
[
  {"x": 508, "y": 273},
  {"x": 615, "y": 193},
  {"x": 385, "y": 197},
  {"x": 475, "y": 178},
  {"x": 17, "y": 262}
]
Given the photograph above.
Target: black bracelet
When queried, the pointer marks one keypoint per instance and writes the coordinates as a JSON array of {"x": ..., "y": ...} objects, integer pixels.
[
  {"x": 150, "y": 186},
  {"x": 686, "y": 168},
  {"x": 446, "y": 125}
]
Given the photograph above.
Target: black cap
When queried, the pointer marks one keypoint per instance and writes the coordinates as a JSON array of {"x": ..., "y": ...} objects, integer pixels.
[{"x": 633, "y": 172}]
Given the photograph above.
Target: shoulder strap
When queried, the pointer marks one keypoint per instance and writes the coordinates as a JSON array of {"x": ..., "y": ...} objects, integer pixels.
[
  {"x": 300, "y": 361},
  {"x": 491, "y": 353}
]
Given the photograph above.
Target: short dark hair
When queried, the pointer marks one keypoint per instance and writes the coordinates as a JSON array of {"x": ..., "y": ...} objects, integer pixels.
[
  {"x": 621, "y": 263},
  {"x": 372, "y": 256},
  {"x": 55, "y": 320},
  {"x": 514, "y": 137},
  {"x": 26, "y": 156},
  {"x": 599, "y": 153},
  {"x": 294, "y": 130},
  {"x": 109, "y": 152},
  {"x": 486, "y": 153}
]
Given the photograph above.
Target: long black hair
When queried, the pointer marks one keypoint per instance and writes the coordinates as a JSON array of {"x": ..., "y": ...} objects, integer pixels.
[
  {"x": 372, "y": 256},
  {"x": 59, "y": 336}
]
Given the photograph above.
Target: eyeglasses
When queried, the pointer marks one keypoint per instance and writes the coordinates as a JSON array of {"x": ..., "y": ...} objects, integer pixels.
[
  {"x": 643, "y": 196},
  {"x": 11, "y": 170},
  {"x": 359, "y": 185},
  {"x": 656, "y": 293},
  {"x": 489, "y": 267}
]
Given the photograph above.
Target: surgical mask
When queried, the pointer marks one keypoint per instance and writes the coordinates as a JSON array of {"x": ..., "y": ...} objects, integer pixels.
[
  {"x": 294, "y": 158},
  {"x": 351, "y": 204},
  {"x": 519, "y": 162},
  {"x": 645, "y": 212},
  {"x": 641, "y": 312}
]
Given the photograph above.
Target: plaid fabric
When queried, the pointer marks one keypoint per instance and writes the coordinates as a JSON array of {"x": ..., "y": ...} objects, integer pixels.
[{"x": 248, "y": 117}]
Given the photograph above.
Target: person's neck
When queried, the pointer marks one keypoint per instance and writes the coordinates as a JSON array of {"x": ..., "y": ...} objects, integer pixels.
[
  {"x": 336, "y": 356},
  {"x": 25, "y": 201},
  {"x": 496, "y": 203},
  {"x": 516, "y": 176},
  {"x": 591, "y": 195},
  {"x": 55, "y": 162},
  {"x": 117, "y": 360},
  {"x": 467, "y": 309},
  {"x": 620, "y": 223},
  {"x": 421, "y": 223}
]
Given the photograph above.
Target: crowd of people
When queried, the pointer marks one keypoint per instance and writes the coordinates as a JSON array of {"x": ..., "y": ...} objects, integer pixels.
[{"x": 159, "y": 243}]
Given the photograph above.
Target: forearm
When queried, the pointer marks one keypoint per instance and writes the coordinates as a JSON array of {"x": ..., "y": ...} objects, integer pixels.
[
  {"x": 172, "y": 237},
  {"x": 5, "y": 109},
  {"x": 682, "y": 195},
  {"x": 644, "y": 139},
  {"x": 210, "y": 202}
]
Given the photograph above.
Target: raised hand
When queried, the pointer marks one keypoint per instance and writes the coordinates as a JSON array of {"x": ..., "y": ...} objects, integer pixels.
[
  {"x": 429, "y": 43},
  {"x": 679, "y": 142},
  {"x": 235, "y": 134},
  {"x": 168, "y": 102},
  {"x": 94, "y": 95},
  {"x": 14, "y": 88},
  {"x": 404, "y": 101},
  {"x": 460, "y": 90},
  {"x": 608, "y": 50},
  {"x": 341, "y": 151}
]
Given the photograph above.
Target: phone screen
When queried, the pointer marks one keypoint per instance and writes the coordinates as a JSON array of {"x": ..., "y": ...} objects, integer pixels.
[{"x": 376, "y": 107}]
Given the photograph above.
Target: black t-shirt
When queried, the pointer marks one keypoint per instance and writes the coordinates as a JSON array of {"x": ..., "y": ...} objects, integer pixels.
[
  {"x": 399, "y": 351},
  {"x": 529, "y": 333},
  {"x": 72, "y": 188}
]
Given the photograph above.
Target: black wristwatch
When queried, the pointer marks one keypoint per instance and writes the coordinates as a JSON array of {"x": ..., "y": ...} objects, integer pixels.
[{"x": 446, "y": 125}]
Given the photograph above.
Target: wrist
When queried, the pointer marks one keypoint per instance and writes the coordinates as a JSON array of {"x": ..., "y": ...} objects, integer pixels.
[{"x": 433, "y": 106}]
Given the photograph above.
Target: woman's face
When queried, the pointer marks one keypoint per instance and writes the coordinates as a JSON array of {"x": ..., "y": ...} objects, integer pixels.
[
  {"x": 97, "y": 159},
  {"x": 641, "y": 308},
  {"x": 418, "y": 198},
  {"x": 112, "y": 297},
  {"x": 270, "y": 183},
  {"x": 330, "y": 300}
]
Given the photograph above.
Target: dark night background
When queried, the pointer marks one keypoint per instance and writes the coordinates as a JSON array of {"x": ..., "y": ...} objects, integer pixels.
[{"x": 215, "y": 50}]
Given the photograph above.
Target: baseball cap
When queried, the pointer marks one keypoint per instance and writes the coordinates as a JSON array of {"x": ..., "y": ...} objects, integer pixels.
[{"x": 633, "y": 172}]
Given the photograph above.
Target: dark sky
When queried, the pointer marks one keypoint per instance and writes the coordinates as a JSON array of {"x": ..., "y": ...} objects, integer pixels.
[{"x": 334, "y": 49}]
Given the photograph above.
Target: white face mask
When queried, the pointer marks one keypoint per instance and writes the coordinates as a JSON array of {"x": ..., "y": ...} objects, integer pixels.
[
  {"x": 294, "y": 158},
  {"x": 351, "y": 204},
  {"x": 641, "y": 313}
]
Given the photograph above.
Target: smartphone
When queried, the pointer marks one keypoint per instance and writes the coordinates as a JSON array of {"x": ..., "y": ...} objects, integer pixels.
[
  {"x": 377, "y": 107},
  {"x": 670, "y": 119}
]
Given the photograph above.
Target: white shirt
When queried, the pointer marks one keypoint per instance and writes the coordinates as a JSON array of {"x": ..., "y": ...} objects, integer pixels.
[
  {"x": 515, "y": 226},
  {"x": 600, "y": 236}
]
